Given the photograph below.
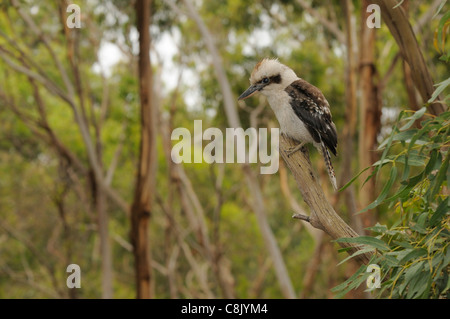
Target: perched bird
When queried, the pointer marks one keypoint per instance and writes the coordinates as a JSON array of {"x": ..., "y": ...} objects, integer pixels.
[{"x": 301, "y": 108}]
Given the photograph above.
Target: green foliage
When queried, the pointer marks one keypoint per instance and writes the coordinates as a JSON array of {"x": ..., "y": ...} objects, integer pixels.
[
  {"x": 441, "y": 33},
  {"x": 442, "y": 47},
  {"x": 50, "y": 205},
  {"x": 413, "y": 254}
]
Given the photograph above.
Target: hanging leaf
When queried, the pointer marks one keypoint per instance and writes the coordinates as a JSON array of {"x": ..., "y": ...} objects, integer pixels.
[
  {"x": 417, "y": 115},
  {"x": 441, "y": 176},
  {"x": 441, "y": 210},
  {"x": 384, "y": 191},
  {"x": 440, "y": 87},
  {"x": 442, "y": 30},
  {"x": 353, "y": 179},
  {"x": 439, "y": 9},
  {"x": 357, "y": 253},
  {"x": 414, "y": 254},
  {"x": 365, "y": 240}
]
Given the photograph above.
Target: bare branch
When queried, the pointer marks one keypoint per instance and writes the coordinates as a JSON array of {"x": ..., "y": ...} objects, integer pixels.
[
  {"x": 299, "y": 211},
  {"x": 115, "y": 160},
  {"x": 329, "y": 25},
  {"x": 38, "y": 77},
  {"x": 36, "y": 30},
  {"x": 48, "y": 266},
  {"x": 323, "y": 215}
]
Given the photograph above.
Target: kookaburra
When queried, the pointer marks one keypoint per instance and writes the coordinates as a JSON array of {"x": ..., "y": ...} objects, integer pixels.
[{"x": 301, "y": 109}]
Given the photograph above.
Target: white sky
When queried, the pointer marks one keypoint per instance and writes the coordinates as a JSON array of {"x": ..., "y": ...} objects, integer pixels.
[
  {"x": 166, "y": 50},
  {"x": 108, "y": 56}
]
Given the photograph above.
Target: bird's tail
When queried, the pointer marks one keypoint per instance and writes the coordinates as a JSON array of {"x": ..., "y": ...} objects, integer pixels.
[{"x": 327, "y": 158}]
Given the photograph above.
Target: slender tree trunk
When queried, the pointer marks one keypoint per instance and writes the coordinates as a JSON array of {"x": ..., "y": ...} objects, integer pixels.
[
  {"x": 351, "y": 114},
  {"x": 105, "y": 245},
  {"x": 99, "y": 187},
  {"x": 370, "y": 113},
  {"x": 397, "y": 21},
  {"x": 145, "y": 181},
  {"x": 413, "y": 98},
  {"x": 348, "y": 151},
  {"x": 252, "y": 183}
]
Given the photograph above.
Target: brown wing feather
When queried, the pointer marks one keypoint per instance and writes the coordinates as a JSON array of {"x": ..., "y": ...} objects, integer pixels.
[{"x": 312, "y": 108}]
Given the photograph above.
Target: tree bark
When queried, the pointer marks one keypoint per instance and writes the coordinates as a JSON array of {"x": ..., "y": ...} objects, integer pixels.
[
  {"x": 350, "y": 115},
  {"x": 370, "y": 113},
  {"x": 145, "y": 181},
  {"x": 413, "y": 97},
  {"x": 322, "y": 216},
  {"x": 105, "y": 245}
]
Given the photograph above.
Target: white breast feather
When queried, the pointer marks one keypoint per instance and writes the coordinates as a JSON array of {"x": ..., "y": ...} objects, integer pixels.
[{"x": 290, "y": 124}]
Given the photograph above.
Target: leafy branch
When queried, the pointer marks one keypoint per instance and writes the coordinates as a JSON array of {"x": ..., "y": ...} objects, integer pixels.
[{"x": 413, "y": 254}]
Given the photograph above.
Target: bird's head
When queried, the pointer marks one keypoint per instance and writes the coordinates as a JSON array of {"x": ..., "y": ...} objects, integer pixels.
[{"x": 268, "y": 77}]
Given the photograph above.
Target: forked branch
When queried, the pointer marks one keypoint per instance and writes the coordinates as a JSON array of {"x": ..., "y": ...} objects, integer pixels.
[{"x": 322, "y": 216}]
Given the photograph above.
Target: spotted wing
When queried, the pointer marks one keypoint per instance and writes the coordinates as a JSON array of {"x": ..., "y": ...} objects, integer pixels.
[{"x": 312, "y": 108}]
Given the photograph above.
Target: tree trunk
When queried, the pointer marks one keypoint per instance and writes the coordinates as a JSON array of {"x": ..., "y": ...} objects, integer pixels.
[
  {"x": 350, "y": 115},
  {"x": 397, "y": 22},
  {"x": 145, "y": 181},
  {"x": 255, "y": 189},
  {"x": 370, "y": 113},
  {"x": 413, "y": 98},
  {"x": 105, "y": 245}
]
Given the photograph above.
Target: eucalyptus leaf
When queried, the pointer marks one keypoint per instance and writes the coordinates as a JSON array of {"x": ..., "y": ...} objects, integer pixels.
[
  {"x": 414, "y": 254},
  {"x": 357, "y": 253},
  {"x": 440, "y": 87},
  {"x": 441, "y": 210},
  {"x": 417, "y": 115},
  {"x": 441, "y": 176},
  {"x": 353, "y": 179},
  {"x": 440, "y": 8},
  {"x": 365, "y": 240},
  {"x": 384, "y": 191}
]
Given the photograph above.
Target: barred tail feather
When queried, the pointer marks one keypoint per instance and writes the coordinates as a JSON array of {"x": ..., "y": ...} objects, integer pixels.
[{"x": 327, "y": 158}]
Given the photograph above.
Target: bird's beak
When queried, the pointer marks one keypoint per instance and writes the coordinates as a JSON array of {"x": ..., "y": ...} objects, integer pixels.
[{"x": 249, "y": 92}]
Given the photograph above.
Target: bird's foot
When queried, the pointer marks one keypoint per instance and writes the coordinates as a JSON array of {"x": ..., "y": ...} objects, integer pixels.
[{"x": 294, "y": 149}]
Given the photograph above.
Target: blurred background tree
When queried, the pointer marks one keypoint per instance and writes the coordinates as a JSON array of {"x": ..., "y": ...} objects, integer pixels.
[{"x": 70, "y": 118}]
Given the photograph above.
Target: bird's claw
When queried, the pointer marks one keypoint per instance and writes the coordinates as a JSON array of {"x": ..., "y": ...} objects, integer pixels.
[{"x": 294, "y": 149}]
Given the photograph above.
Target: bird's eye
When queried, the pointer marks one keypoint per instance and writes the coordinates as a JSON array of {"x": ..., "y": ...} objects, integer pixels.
[{"x": 265, "y": 80}]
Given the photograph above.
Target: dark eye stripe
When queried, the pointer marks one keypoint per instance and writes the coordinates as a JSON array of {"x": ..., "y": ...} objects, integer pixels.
[
  {"x": 275, "y": 79},
  {"x": 272, "y": 79}
]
